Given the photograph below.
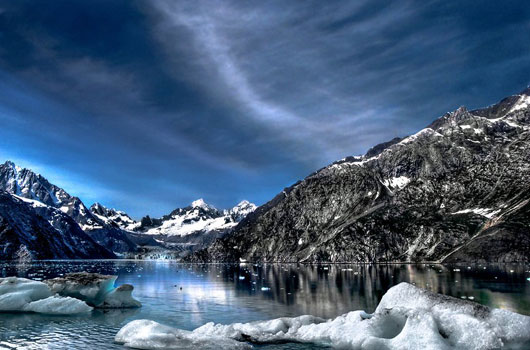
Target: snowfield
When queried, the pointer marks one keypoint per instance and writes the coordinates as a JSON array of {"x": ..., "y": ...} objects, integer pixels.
[
  {"x": 73, "y": 294},
  {"x": 407, "y": 318}
]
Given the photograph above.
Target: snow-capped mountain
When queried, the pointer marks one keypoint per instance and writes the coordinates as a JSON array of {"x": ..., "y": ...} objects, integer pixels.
[
  {"x": 25, "y": 183},
  {"x": 457, "y": 190},
  {"x": 30, "y": 229},
  {"x": 197, "y": 218},
  {"x": 48, "y": 199},
  {"x": 112, "y": 216}
]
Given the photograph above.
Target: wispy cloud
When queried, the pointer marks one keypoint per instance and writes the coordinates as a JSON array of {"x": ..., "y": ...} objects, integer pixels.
[{"x": 236, "y": 99}]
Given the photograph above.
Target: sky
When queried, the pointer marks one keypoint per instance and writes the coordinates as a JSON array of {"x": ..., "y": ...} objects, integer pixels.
[{"x": 145, "y": 106}]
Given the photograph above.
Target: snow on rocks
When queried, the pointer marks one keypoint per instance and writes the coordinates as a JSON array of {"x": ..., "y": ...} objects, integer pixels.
[
  {"x": 486, "y": 212},
  {"x": 24, "y": 295},
  {"x": 407, "y": 317},
  {"x": 95, "y": 289},
  {"x": 397, "y": 182},
  {"x": 523, "y": 103}
]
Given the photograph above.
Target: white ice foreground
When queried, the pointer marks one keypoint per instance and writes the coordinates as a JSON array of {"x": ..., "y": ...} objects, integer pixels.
[
  {"x": 407, "y": 317},
  {"x": 24, "y": 295},
  {"x": 73, "y": 294}
]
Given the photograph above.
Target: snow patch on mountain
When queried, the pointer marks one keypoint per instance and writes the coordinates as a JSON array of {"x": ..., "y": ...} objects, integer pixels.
[
  {"x": 200, "y": 203},
  {"x": 427, "y": 132},
  {"x": 486, "y": 212},
  {"x": 397, "y": 182},
  {"x": 523, "y": 103}
]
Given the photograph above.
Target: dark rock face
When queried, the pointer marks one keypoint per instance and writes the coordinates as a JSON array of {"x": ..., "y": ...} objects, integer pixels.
[
  {"x": 114, "y": 239},
  {"x": 455, "y": 191},
  {"x": 26, "y": 234}
]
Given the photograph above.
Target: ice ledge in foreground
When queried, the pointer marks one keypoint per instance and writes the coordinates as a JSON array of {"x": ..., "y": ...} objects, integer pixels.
[
  {"x": 407, "y": 318},
  {"x": 24, "y": 295},
  {"x": 73, "y": 294}
]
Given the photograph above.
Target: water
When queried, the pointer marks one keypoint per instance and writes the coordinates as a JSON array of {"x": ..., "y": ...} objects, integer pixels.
[{"x": 187, "y": 296}]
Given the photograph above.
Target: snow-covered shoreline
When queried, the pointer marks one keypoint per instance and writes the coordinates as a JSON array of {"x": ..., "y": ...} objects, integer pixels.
[{"x": 407, "y": 317}]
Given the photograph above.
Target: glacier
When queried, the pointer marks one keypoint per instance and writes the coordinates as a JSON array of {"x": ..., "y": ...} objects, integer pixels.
[{"x": 407, "y": 317}]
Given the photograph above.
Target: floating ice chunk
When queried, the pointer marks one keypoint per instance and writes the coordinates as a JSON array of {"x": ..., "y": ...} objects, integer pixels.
[
  {"x": 24, "y": 295},
  {"x": 95, "y": 289},
  {"x": 120, "y": 297},
  {"x": 146, "y": 334},
  {"x": 57, "y": 305},
  {"x": 406, "y": 318}
]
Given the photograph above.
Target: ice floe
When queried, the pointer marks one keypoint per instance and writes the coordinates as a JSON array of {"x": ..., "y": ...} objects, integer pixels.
[
  {"x": 73, "y": 294},
  {"x": 24, "y": 295},
  {"x": 95, "y": 289},
  {"x": 407, "y": 317}
]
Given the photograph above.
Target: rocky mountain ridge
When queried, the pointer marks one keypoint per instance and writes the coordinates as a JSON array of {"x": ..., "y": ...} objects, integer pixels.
[
  {"x": 31, "y": 230},
  {"x": 457, "y": 190}
]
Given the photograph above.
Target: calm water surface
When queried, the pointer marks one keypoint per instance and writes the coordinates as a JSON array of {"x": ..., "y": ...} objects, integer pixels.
[{"x": 187, "y": 296}]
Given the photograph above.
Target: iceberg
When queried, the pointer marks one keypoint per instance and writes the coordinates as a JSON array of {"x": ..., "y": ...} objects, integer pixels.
[
  {"x": 407, "y": 317},
  {"x": 24, "y": 295},
  {"x": 72, "y": 294},
  {"x": 95, "y": 289}
]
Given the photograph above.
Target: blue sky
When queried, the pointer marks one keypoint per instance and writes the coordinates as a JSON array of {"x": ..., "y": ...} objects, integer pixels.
[{"x": 148, "y": 105}]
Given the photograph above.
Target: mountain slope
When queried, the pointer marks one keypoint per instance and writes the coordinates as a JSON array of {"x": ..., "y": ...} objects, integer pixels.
[
  {"x": 24, "y": 183},
  {"x": 457, "y": 190},
  {"x": 26, "y": 234},
  {"x": 27, "y": 184},
  {"x": 112, "y": 217}
]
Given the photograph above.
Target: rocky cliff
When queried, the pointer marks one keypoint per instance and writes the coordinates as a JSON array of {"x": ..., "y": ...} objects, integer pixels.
[{"x": 457, "y": 190}]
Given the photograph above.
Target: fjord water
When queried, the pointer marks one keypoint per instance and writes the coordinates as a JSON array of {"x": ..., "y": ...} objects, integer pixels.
[{"x": 186, "y": 296}]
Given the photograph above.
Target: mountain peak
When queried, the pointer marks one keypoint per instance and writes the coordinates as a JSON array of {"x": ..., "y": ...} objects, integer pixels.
[
  {"x": 200, "y": 203},
  {"x": 12, "y": 165},
  {"x": 243, "y": 208},
  {"x": 96, "y": 205}
]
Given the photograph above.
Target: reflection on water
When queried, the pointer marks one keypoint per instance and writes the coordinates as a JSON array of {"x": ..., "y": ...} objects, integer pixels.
[{"x": 187, "y": 296}]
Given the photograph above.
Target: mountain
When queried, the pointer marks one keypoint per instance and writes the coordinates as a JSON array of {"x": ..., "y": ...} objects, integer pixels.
[
  {"x": 26, "y": 234},
  {"x": 26, "y": 184},
  {"x": 112, "y": 216},
  {"x": 457, "y": 190},
  {"x": 199, "y": 217},
  {"x": 188, "y": 229}
]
